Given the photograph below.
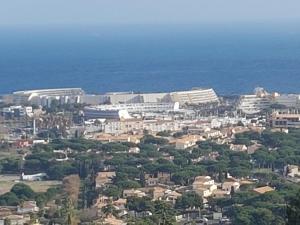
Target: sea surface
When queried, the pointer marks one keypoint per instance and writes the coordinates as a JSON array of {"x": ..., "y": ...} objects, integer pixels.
[{"x": 151, "y": 58}]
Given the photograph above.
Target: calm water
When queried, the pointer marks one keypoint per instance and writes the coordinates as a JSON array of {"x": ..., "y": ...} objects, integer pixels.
[{"x": 150, "y": 58}]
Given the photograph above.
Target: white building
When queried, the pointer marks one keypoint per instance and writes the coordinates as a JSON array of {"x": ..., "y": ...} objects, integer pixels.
[
  {"x": 27, "y": 207},
  {"x": 252, "y": 104},
  {"x": 204, "y": 186},
  {"x": 46, "y": 96},
  {"x": 285, "y": 120},
  {"x": 187, "y": 141},
  {"x": 121, "y": 111},
  {"x": 290, "y": 100},
  {"x": 95, "y": 112},
  {"x": 130, "y": 97},
  {"x": 138, "y": 125},
  {"x": 196, "y": 96},
  {"x": 33, "y": 177}
]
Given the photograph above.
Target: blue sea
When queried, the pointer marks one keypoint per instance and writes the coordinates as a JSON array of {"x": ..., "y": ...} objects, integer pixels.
[{"x": 232, "y": 60}]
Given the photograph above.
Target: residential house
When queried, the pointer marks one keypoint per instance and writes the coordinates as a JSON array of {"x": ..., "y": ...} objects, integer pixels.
[
  {"x": 157, "y": 178},
  {"x": 134, "y": 150},
  {"x": 16, "y": 219},
  {"x": 230, "y": 185},
  {"x": 104, "y": 178},
  {"x": 171, "y": 196},
  {"x": 133, "y": 193},
  {"x": 187, "y": 141},
  {"x": 238, "y": 148},
  {"x": 111, "y": 220},
  {"x": 212, "y": 134},
  {"x": 263, "y": 190},
  {"x": 27, "y": 207},
  {"x": 204, "y": 186},
  {"x": 292, "y": 171}
]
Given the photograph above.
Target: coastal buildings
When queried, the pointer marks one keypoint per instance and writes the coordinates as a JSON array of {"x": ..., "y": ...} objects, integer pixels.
[
  {"x": 16, "y": 111},
  {"x": 288, "y": 100},
  {"x": 285, "y": 120},
  {"x": 118, "y": 111},
  {"x": 130, "y": 97},
  {"x": 196, "y": 96},
  {"x": 98, "y": 113},
  {"x": 44, "y": 97},
  {"x": 252, "y": 104}
]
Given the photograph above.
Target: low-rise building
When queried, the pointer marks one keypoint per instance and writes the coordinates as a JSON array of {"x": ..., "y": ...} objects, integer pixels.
[
  {"x": 285, "y": 120},
  {"x": 133, "y": 193},
  {"x": 238, "y": 148},
  {"x": 104, "y": 178},
  {"x": 230, "y": 185},
  {"x": 15, "y": 219},
  {"x": 263, "y": 190},
  {"x": 204, "y": 186},
  {"x": 187, "y": 141},
  {"x": 292, "y": 171},
  {"x": 27, "y": 207}
]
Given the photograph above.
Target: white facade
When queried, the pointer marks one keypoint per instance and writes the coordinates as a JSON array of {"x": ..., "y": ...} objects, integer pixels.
[
  {"x": 251, "y": 104},
  {"x": 45, "y": 96},
  {"x": 130, "y": 97},
  {"x": 291, "y": 101},
  {"x": 138, "y": 125},
  {"x": 140, "y": 107},
  {"x": 204, "y": 186},
  {"x": 197, "y": 96}
]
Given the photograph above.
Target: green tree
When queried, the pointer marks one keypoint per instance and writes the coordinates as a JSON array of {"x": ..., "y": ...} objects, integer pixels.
[
  {"x": 23, "y": 191},
  {"x": 293, "y": 210},
  {"x": 165, "y": 213},
  {"x": 9, "y": 199},
  {"x": 189, "y": 200}
]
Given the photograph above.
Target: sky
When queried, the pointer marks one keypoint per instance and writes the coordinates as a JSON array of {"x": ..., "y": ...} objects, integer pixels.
[{"x": 107, "y": 12}]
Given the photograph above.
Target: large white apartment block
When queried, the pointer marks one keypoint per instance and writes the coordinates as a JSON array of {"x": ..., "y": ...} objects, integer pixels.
[
  {"x": 197, "y": 96},
  {"x": 252, "y": 104},
  {"x": 46, "y": 96},
  {"x": 130, "y": 97},
  {"x": 290, "y": 100}
]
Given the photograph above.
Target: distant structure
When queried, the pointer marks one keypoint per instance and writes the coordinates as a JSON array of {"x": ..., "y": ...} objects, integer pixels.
[
  {"x": 252, "y": 104},
  {"x": 285, "y": 120},
  {"x": 287, "y": 100},
  {"x": 261, "y": 100},
  {"x": 16, "y": 111},
  {"x": 121, "y": 111},
  {"x": 44, "y": 97},
  {"x": 130, "y": 97},
  {"x": 33, "y": 177},
  {"x": 196, "y": 96}
]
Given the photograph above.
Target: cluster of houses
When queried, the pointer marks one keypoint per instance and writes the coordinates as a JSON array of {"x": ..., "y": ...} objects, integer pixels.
[
  {"x": 20, "y": 214},
  {"x": 160, "y": 187}
]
